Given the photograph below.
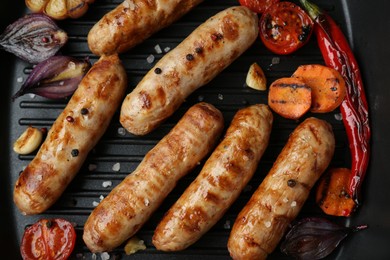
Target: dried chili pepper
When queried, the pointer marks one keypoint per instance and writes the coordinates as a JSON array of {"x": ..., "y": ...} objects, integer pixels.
[{"x": 337, "y": 54}]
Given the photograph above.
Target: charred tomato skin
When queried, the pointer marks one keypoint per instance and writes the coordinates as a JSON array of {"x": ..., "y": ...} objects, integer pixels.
[
  {"x": 285, "y": 27},
  {"x": 48, "y": 239}
]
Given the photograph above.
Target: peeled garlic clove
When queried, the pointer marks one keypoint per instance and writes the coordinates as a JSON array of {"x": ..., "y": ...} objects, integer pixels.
[
  {"x": 133, "y": 245},
  {"x": 29, "y": 141},
  {"x": 57, "y": 9},
  {"x": 56, "y": 77},
  {"x": 36, "y": 6},
  {"x": 34, "y": 38},
  {"x": 76, "y": 8},
  {"x": 255, "y": 78}
]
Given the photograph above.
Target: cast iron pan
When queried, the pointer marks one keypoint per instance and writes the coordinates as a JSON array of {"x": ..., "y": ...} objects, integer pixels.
[{"x": 366, "y": 25}]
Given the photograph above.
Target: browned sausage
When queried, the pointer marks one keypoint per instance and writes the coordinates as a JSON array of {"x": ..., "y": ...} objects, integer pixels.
[
  {"x": 279, "y": 198},
  {"x": 223, "y": 177},
  {"x": 75, "y": 132},
  {"x": 197, "y": 60},
  {"x": 133, "y": 21},
  {"x": 129, "y": 205}
]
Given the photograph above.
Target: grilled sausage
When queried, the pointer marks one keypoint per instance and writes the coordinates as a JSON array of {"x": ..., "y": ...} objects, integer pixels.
[
  {"x": 133, "y": 21},
  {"x": 130, "y": 204},
  {"x": 277, "y": 201},
  {"x": 223, "y": 177},
  {"x": 75, "y": 132},
  {"x": 193, "y": 63}
]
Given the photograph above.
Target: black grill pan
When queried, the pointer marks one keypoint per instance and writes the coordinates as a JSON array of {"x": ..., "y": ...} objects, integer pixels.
[{"x": 366, "y": 25}]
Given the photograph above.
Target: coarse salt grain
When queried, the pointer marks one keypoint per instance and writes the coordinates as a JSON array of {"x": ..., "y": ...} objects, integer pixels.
[
  {"x": 267, "y": 224},
  {"x": 150, "y": 58},
  {"x": 220, "y": 96},
  {"x": 39, "y": 177},
  {"x": 293, "y": 204},
  {"x": 106, "y": 184},
  {"x": 285, "y": 200},
  {"x": 104, "y": 256},
  {"x": 166, "y": 49},
  {"x": 116, "y": 167},
  {"x": 121, "y": 131},
  {"x": 275, "y": 60},
  {"x": 93, "y": 256},
  {"x": 338, "y": 116},
  {"x": 95, "y": 203},
  {"x": 19, "y": 80},
  {"x": 146, "y": 202},
  {"x": 31, "y": 95},
  {"x": 101, "y": 197},
  {"x": 157, "y": 48},
  {"x": 227, "y": 224}
]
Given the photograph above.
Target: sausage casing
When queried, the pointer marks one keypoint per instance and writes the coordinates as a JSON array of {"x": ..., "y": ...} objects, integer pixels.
[
  {"x": 193, "y": 63},
  {"x": 130, "y": 204},
  {"x": 263, "y": 221},
  {"x": 133, "y": 21},
  {"x": 72, "y": 136},
  {"x": 223, "y": 177}
]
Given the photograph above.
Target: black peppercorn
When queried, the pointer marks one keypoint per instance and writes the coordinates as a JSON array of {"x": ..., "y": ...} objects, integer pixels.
[
  {"x": 190, "y": 57},
  {"x": 84, "y": 111},
  {"x": 157, "y": 70},
  {"x": 49, "y": 224},
  {"x": 291, "y": 183},
  {"x": 198, "y": 49},
  {"x": 75, "y": 152}
]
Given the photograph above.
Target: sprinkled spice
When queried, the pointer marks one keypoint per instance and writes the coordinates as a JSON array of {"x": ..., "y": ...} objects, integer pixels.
[
  {"x": 291, "y": 183},
  {"x": 190, "y": 57},
  {"x": 75, "y": 152},
  {"x": 216, "y": 36},
  {"x": 49, "y": 224},
  {"x": 157, "y": 70},
  {"x": 84, "y": 111},
  {"x": 198, "y": 49},
  {"x": 70, "y": 119}
]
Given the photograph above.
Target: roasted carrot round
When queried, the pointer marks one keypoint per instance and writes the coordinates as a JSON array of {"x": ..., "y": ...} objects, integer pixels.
[
  {"x": 327, "y": 85},
  {"x": 332, "y": 193},
  {"x": 289, "y": 97}
]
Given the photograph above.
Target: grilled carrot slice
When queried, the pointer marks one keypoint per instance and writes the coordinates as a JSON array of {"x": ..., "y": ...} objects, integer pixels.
[
  {"x": 332, "y": 193},
  {"x": 289, "y": 97},
  {"x": 327, "y": 85}
]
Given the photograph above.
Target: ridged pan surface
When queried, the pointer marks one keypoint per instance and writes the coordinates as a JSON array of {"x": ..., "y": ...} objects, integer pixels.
[{"x": 118, "y": 153}]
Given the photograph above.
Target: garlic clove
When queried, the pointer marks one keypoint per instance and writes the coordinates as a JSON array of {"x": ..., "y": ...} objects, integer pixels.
[
  {"x": 255, "y": 78},
  {"x": 36, "y": 6},
  {"x": 29, "y": 141},
  {"x": 57, "y": 9},
  {"x": 76, "y": 8}
]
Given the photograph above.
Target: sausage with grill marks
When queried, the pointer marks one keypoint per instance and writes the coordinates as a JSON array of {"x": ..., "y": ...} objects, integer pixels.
[
  {"x": 279, "y": 198},
  {"x": 130, "y": 204},
  {"x": 75, "y": 132},
  {"x": 133, "y": 21},
  {"x": 197, "y": 60},
  {"x": 223, "y": 177}
]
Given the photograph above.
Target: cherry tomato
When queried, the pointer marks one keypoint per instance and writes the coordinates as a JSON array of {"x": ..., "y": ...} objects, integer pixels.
[
  {"x": 285, "y": 27},
  {"x": 258, "y": 6},
  {"x": 48, "y": 239}
]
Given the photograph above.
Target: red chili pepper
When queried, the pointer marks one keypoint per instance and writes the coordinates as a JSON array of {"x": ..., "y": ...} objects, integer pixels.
[{"x": 337, "y": 54}]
